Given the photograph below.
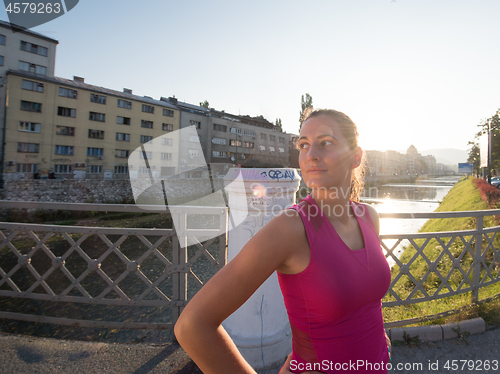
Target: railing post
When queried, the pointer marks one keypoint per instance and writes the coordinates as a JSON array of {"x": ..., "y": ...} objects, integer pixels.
[{"x": 476, "y": 259}]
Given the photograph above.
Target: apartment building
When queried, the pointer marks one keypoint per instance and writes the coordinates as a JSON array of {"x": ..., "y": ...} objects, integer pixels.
[
  {"x": 24, "y": 50},
  {"x": 229, "y": 140},
  {"x": 74, "y": 129}
]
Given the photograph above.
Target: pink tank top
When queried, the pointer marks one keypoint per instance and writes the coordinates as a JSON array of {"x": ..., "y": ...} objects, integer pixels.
[{"x": 334, "y": 305}]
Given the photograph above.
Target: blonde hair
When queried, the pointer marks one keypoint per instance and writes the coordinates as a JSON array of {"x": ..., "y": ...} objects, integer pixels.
[{"x": 350, "y": 132}]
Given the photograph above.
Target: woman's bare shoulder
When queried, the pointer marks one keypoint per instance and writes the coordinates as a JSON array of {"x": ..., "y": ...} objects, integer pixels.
[{"x": 373, "y": 215}]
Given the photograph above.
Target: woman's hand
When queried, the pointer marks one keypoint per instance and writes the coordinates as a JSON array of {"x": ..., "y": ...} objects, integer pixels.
[{"x": 285, "y": 369}]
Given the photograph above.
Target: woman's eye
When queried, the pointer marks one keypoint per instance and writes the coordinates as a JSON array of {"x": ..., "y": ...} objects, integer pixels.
[
  {"x": 326, "y": 142},
  {"x": 303, "y": 145}
]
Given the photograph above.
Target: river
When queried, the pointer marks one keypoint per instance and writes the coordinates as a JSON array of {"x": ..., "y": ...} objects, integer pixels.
[{"x": 420, "y": 197}]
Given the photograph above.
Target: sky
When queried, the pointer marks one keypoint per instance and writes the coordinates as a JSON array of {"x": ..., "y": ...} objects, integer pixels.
[{"x": 408, "y": 72}]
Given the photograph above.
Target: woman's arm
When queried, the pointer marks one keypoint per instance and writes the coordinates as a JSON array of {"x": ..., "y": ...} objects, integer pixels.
[{"x": 277, "y": 246}]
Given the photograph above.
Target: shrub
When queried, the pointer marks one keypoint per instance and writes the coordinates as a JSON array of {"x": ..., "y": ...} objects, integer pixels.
[{"x": 489, "y": 194}]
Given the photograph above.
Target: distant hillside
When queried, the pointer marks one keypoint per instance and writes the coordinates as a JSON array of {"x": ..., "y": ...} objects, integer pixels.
[{"x": 447, "y": 156}]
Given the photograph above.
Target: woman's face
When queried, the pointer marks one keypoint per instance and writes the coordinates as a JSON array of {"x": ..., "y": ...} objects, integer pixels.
[{"x": 325, "y": 159}]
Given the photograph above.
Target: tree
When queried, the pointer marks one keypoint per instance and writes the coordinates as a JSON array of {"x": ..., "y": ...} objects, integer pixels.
[
  {"x": 279, "y": 124},
  {"x": 490, "y": 124},
  {"x": 306, "y": 103},
  {"x": 205, "y": 104},
  {"x": 474, "y": 156}
]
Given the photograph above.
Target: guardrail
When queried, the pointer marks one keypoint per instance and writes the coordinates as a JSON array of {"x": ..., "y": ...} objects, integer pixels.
[
  {"x": 148, "y": 268},
  {"x": 467, "y": 262},
  {"x": 120, "y": 272}
]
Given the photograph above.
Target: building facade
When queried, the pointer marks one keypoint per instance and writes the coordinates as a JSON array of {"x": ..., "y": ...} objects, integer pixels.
[{"x": 74, "y": 129}]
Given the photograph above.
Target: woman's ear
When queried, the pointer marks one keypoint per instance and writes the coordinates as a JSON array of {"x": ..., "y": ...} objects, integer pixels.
[{"x": 357, "y": 156}]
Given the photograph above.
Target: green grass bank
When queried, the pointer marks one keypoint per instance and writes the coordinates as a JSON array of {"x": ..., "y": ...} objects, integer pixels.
[{"x": 464, "y": 196}]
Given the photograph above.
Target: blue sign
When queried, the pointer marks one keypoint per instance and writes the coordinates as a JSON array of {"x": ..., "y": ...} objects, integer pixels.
[{"x": 465, "y": 167}]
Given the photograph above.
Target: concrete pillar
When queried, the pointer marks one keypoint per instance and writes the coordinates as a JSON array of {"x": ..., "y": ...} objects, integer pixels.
[{"x": 260, "y": 327}]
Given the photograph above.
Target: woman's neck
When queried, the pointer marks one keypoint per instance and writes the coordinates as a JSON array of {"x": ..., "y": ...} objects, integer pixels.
[{"x": 334, "y": 204}]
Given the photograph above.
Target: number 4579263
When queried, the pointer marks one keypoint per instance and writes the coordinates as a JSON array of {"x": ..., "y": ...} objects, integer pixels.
[{"x": 33, "y": 8}]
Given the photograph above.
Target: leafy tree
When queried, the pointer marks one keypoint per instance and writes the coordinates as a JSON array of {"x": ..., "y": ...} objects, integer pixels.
[
  {"x": 306, "y": 103},
  {"x": 492, "y": 124},
  {"x": 474, "y": 156},
  {"x": 279, "y": 124},
  {"x": 205, "y": 104}
]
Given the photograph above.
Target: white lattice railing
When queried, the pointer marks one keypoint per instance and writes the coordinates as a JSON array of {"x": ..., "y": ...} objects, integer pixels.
[
  {"x": 467, "y": 260},
  {"x": 141, "y": 268},
  {"x": 114, "y": 268}
]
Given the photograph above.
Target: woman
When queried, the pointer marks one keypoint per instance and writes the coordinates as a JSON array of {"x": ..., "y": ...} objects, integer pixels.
[{"x": 331, "y": 268}]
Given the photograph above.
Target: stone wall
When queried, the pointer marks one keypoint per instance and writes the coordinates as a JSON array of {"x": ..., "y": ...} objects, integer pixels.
[{"x": 100, "y": 191}]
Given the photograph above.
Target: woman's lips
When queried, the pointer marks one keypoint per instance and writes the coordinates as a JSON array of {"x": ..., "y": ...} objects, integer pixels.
[{"x": 315, "y": 171}]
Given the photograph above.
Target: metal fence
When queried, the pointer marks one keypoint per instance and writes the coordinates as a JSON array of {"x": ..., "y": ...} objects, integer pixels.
[
  {"x": 462, "y": 261},
  {"x": 129, "y": 268},
  {"x": 118, "y": 268}
]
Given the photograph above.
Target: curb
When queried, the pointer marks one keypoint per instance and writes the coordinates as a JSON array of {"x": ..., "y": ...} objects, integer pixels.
[{"x": 436, "y": 333}]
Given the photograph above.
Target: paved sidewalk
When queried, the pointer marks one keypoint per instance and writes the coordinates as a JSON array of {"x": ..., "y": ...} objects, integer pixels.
[{"x": 26, "y": 354}]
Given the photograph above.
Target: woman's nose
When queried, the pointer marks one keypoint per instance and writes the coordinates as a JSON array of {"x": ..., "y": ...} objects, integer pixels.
[{"x": 313, "y": 153}]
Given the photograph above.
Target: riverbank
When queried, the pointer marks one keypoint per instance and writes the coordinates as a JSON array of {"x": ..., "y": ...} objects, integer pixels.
[{"x": 464, "y": 196}]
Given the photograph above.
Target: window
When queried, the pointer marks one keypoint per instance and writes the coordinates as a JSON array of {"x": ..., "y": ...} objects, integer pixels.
[
  {"x": 235, "y": 130},
  {"x": 248, "y": 145},
  {"x": 272, "y": 137},
  {"x": 281, "y": 149},
  {"x": 218, "y": 154},
  {"x": 124, "y": 104},
  {"x": 63, "y": 169},
  {"x": 221, "y": 128},
  {"x": 33, "y": 48},
  {"x": 30, "y": 106},
  {"x": 147, "y": 124},
  {"x": 32, "y": 86},
  {"x": 96, "y": 134},
  {"x": 166, "y": 156},
  {"x": 64, "y": 150},
  {"x": 122, "y": 137},
  {"x": 262, "y": 147},
  {"x": 249, "y": 133},
  {"x": 63, "y": 130},
  {"x": 281, "y": 139},
  {"x": 29, "y": 127},
  {"x": 271, "y": 149},
  {"x": 2, "y": 39},
  {"x": 195, "y": 124},
  {"x": 235, "y": 143},
  {"x": 99, "y": 99},
  {"x": 28, "y": 147},
  {"x": 95, "y": 169},
  {"x": 194, "y": 153},
  {"x": 219, "y": 141},
  {"x": 166, "y": 141},
  {"x": 121, "y": 153},
  {"x": 143, "y": 170},
  {"x": 145, "y": 139},
  {"x": 26, "y": 168},
  {"x": 66, "y": 112},
  {"x": 32, "y": 68},
  {"x": 149, "y": 155},
  {"x": 263, "y": 136},
  {"x": 148, "y": 108},
  {"x": 167, "y": 127},
  {"x": 193, "y": 138},
  {"x": 95, "y": 151},
  {"x": 123, "y": 120},
  {"x": 168, "y": 112},
  {"x": 66, "y": 92},
  {"x": 121, "y": 169},
  {"x": 100, "y": 117},
  {"x": 1, "y": 60}
]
